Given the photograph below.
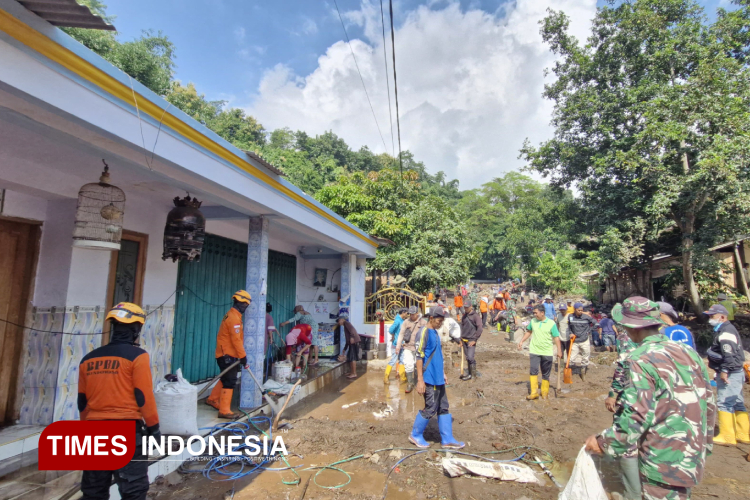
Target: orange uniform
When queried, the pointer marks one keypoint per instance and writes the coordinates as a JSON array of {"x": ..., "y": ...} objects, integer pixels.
[
  {"x": 231, "y": 338},
  {"x": 114, "y": 383},
  {"x": 458, "y": 301},
  {"x": 482, "y": 306},
  {"x": 430, "y": 296},
  {"x": 498, "y": 305}
]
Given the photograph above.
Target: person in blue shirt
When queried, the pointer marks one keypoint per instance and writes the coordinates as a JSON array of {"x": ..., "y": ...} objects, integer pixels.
[
  {"x": 431, "y": 384},
  {"x": 394, "y": 330},
  {"x": 549, "y": 308},
  {"x": 608, "y": 332},
  {"x": 673, "y": 331}
]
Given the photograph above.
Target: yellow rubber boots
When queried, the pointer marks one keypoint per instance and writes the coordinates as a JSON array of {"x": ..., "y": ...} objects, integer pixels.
[
  {"x": 726, "y": 436},
  {"x": 742, "y": 427},
  {"x": 545, "y": 389},
  {"x": 533, "y": 379},
  {"x": 387, "y": 374}
]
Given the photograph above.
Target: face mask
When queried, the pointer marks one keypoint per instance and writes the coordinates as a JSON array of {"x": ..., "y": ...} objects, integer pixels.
[{"x": 714, "y": 322}]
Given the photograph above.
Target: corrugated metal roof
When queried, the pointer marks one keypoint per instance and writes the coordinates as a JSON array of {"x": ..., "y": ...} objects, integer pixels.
[
  {"x": 255, "y": 156},
  {"x": 66, "y": 13}
]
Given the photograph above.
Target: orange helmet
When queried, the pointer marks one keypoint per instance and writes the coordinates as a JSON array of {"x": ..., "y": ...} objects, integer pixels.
[
  {"x": 242, "y": 296},
  {"x": 126, "y": 312}
]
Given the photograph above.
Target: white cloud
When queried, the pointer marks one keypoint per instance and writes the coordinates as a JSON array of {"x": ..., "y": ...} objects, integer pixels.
[
  {"x": 470, "y": 85},
  {"x": 239, "y": 34},
  {"x": 309, "y": 27}
]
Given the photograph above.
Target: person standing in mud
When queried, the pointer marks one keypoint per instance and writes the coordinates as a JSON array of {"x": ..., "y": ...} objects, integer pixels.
[
  {"x": 405, "y": 343},
  {"x": 628, "y": 462},
  {"x": 544, "y": 334},
  {"x": 666, "y": 409},
  {"x": 432, "y": 382},
  {"x": 581, "y": 325},
  {"x": 471, "y": 330}
]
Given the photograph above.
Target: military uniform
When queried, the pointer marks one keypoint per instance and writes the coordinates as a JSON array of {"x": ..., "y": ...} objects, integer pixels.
[{"x": 666, "y": 409}]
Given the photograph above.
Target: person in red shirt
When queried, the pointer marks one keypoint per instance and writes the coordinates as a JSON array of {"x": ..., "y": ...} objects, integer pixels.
[
  {"x": 229, "y": 349},
  {"x": 299, "y": 340},
  {"x": 114, "y": 383}
]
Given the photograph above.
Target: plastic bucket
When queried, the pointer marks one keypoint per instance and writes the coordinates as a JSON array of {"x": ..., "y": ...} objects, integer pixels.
[{"x": 282, "y": 372}]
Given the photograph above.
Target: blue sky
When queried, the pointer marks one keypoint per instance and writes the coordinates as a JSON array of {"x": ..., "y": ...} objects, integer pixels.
[{"x": 470, "y": 71}]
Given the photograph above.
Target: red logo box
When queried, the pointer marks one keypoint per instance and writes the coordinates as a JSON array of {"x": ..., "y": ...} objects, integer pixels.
[{"x": 87, "y": 445}]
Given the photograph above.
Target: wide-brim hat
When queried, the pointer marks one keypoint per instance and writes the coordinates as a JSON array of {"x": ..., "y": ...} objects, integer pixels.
[{"x": 637, "y": 312}]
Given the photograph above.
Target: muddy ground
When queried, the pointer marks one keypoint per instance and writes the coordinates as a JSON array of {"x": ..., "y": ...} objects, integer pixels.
[{"x": 490, "y": 413}]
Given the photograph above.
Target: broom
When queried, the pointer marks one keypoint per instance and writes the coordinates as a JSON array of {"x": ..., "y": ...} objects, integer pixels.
[{"x": 568, "y": 375}]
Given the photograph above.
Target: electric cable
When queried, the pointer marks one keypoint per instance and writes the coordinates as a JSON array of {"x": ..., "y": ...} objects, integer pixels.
[
  {"x": 387, "y": 85},
  {"x": 395, "y": 91},
  {"x": 360, "y": 74}
]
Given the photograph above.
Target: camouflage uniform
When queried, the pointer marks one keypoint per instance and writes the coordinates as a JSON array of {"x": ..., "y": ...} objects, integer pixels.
[{"x": 666, "y": 408}]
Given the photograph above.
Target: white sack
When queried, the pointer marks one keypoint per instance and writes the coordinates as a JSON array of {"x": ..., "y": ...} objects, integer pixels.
[
  {"x": 177, "y": 404},
  {"x": 517, "y": 472},
  {"x": 584, "y": 482}
]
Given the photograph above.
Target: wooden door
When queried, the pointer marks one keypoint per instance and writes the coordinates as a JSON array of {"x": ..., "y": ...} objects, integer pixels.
[
  {"x": 126, "y": 272},
  {"x": 18, "y": 251}
]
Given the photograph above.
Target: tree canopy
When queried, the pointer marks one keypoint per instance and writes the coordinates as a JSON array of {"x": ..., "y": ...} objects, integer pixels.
[{"x": 651, "y": 124}]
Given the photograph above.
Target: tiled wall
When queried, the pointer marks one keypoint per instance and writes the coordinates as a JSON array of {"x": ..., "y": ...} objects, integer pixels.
[{"x": 50, "y": 376}]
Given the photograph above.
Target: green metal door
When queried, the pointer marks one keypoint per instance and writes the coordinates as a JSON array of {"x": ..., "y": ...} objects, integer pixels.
[
  {"x": 205, "y": 295},
  {"x": 281, "y": 291}
]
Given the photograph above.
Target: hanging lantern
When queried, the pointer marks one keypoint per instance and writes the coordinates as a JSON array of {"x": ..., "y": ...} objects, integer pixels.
[
  {"x": 185, "y": 230},
  {"x": 99, "y": 216}
]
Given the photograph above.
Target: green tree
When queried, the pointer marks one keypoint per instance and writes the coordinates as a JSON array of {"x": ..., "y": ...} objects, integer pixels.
[
  {"x": 651, "y": 123},
  {"x": 149, "y": 59}
]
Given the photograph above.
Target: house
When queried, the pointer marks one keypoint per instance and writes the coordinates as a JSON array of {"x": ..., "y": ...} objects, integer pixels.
[
  {"x": 650, "y": 281},
  {"x": 64, "y": 113}
]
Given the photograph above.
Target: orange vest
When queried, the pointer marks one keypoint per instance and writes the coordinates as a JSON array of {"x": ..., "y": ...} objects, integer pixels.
[
  {"x": 231, "y": 337},
  {"x": 482, "y": 306},
  {"x": 458, "y": 301}
]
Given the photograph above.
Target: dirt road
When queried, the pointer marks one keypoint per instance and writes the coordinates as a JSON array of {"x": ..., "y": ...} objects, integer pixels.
[{"x": 490, "y": 413}]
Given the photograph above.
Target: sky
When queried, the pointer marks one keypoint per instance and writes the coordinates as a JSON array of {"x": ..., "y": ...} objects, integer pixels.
[{"x": 470, "y": 72}]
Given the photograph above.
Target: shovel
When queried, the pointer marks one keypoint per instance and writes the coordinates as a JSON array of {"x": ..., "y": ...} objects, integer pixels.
[{"x": 568, "y": 375}]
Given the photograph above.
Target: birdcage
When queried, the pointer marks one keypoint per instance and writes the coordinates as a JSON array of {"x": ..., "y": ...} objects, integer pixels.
[
  {"x": 185, "y": 230},
  {"x": 99, "y": 216}
]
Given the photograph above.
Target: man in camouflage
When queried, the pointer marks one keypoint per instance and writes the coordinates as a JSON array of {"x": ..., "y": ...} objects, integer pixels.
[{"x": 666, "y": 408}]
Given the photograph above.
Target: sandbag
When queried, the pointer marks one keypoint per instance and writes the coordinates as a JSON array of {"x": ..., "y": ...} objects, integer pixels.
[
  {"x": 177, "y": 404},
  {"x": 584, "y": 481}
]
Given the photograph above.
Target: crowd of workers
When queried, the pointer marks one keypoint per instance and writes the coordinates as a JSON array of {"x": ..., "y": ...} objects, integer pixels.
[{"x": 661, "y": 394}]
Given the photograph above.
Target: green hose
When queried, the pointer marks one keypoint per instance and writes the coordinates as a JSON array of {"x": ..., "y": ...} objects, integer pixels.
[{"x": 290, "y": 483}]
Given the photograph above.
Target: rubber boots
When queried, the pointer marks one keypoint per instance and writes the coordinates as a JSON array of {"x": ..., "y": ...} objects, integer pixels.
[
  {"x": 742, "y": 427},
  {"x": 545, "y": 389},
  {"x": 466, "y": 375},
  {"x": 583, "y": 371},
  {"x": 213, "y": 399},
  {"x": 473, "y": 370},
  {"x": 410, "y": 383},
  {"x": 727, "y": 436},
  {"x": 416, "y": 437},
  {"x": 402, "y": 373},
  {"x": 225, "y": 405},
  {"x": 445, "y": 423},
  {"x": 387, "y": 374},
  {"x": 533, "y": 380}
]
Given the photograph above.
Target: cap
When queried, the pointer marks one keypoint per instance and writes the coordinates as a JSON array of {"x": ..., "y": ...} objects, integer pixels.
[
  {"x": 343, "y": 316},
  {"x": 436, "y": 312},
  {"x": 722, "y": 296},
  {"x": 577, "y": 305},
  {"x": 637, "y": 312},
  {"x": 413, "y": 310},
  {"x": 666, "y": 308},
  {"x": 562, "y": 307},
  {"x": 717, "y": 309},
  {"x": 548, "y": 297}
]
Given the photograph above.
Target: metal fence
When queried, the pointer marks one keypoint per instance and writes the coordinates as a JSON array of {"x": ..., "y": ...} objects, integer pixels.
[{"x": 390, "y": 300}]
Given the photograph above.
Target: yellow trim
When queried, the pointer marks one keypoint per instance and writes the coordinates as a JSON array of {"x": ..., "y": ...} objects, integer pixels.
[{"x": 69, "y": 60}]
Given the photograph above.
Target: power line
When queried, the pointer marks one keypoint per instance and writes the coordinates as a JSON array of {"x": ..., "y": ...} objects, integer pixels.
[
  {"x": 387, "y": 86},
  {"x": 395, "y": 91},
  {"x": 360, "y": 74}
]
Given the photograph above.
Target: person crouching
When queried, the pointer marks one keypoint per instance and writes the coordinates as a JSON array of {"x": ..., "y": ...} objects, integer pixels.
[{"x": 431, "y": 384}]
